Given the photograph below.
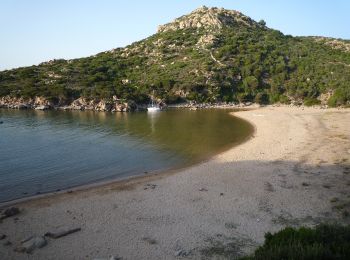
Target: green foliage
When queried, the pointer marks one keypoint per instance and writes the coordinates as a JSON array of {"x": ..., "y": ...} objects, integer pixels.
[
  {"x": 322, "y": 242},
  {"x": 284, "y": 99},
  {"x": 261, "y": 98},
  {"x": 244, "y": 97},
  {"x": 251, "y": 83},
  {"x": 341, "y": 96},
  {"x": 311, "y": 102},
  {"x": 262, "y": 23}
]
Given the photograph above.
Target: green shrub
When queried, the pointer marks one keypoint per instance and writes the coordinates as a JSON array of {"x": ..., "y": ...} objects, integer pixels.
[
  {"x": 244, "y": 97},
  {"x": 322, "y": 242},
  {"x": 250, "y": 83},
  {"x": 311, "y": 102},
  {"x": 340, "y": 97},
  {"x": 173, "y": 99},
  {"x": 274, "y": 98},
  {"x": 262, "y": 98},
  {"x": 284, "y": 99},
  {"x": 332, "y": 101}
]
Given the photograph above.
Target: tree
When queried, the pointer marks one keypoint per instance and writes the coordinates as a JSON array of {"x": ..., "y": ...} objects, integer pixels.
[
  {"x": 262, "y": 22},
  {"x": 262, "y": 98},
  {"x": 250, "y": 83}
]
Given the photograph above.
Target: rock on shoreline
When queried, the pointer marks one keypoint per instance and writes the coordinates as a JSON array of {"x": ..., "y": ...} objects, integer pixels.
[{"x": 42, "y": 103}]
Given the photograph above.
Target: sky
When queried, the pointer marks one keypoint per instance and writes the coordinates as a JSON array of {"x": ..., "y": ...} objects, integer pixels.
[{"x": 40, "y": 30}]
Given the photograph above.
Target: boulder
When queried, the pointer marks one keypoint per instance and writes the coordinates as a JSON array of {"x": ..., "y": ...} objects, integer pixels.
[
  {"x": 104, "y": 105},
  {"x": 42, "y": 102},
  {"x": 119, "y": 108},
  {"x": 78, "y": 104}
]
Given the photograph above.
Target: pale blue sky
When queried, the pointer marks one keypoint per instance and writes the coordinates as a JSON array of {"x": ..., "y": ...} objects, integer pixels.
[{"x": 33, "y": 31}]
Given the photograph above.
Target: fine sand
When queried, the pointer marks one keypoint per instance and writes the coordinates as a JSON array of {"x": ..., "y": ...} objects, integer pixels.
[{"x": 294, "y": 171}]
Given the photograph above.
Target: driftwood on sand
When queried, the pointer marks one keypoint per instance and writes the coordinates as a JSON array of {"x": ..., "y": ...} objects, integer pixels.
[{"x": 62, "y": 233}]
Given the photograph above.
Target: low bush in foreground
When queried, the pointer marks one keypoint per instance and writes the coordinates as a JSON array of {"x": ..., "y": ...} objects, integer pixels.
[{"x": 322, "y": 242}]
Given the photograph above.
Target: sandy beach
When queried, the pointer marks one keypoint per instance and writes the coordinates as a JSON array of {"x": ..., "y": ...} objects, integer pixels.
[{"x": 294, "y": 171}]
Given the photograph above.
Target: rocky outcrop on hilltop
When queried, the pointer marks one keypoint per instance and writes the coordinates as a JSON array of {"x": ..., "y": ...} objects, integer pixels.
[
  {"x": 209, "y": 18},
  {"x": 336, "y": 44}
]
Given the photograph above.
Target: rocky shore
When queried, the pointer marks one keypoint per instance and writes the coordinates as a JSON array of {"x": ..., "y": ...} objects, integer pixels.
[
  {"x": 118, "y": 105},
  {"x": 42, "y": 103},
  {"x": 232, "y": 105},
  {"x": 195, "y": 106},
  {"x": 111, "y": 105}
]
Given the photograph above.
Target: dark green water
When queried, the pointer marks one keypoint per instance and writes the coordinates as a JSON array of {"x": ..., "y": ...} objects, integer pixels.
[{"x": 44, "y": 151}]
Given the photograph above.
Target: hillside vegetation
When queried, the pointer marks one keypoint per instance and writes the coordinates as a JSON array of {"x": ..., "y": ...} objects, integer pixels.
[{"x": 210, "y": 55}]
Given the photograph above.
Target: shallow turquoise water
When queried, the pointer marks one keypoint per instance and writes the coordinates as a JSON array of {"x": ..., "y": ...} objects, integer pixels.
[{"x": 45, "y": 151}]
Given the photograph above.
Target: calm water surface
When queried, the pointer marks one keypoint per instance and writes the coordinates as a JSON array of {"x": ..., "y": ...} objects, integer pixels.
[{"x": 44, "y": 151}]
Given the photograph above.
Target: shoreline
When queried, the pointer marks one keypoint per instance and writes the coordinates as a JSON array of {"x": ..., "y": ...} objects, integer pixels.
[
  {"x": 129, "y": 179},
  {"x": 116, "y": 105},
  {"x": 287, "y": 175}
]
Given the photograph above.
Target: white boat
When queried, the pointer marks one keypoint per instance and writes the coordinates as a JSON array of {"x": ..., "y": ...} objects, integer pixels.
[
  {"x": 43, "y": 107},
  {"x": 153, "y": 107}
]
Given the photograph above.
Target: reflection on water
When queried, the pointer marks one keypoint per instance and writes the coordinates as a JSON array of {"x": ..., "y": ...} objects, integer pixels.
[
  {"x": 44, "y": 151},
  {"x": 152, "y": 119}
]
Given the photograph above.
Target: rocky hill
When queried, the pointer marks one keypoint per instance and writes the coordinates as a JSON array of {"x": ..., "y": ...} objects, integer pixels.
[
  {"x": 211, "y": 19},
  {"x": 210, "y": 55}
]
